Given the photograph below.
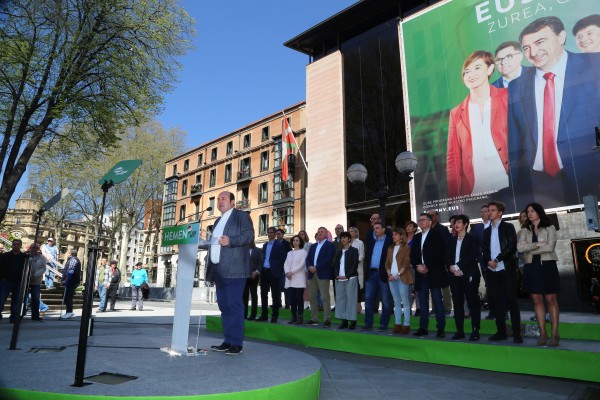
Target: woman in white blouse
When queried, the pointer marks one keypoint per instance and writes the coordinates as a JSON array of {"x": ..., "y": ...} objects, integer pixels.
[
  {"x": 295, "y": 278},
  {"x": 397, "y": 264}
]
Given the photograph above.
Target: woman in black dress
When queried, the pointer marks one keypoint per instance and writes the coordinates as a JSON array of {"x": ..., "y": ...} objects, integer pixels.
[{"x": 541, "y": 278}]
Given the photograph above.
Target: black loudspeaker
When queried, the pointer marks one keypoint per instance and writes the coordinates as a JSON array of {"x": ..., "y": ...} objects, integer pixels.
[
  {"x": 590, "y": 204},
  {"x": 554, "y": 219}
]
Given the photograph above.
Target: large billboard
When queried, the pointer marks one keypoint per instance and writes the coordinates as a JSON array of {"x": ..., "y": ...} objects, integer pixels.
[{"x": 503, "y": 101}]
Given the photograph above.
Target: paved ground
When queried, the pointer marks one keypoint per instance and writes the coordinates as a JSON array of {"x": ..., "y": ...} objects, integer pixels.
[{"x": 345, "y": 376}]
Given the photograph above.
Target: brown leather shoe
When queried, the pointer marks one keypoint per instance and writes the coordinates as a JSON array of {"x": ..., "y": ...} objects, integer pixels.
[
  {"x": 405, "y": 330},
  {"x": 397, "y": 329}
]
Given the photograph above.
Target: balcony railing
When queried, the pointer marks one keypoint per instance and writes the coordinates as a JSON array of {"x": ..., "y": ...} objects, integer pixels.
[
  {"x": 196, "y": 189},
  {"x": 243, "y": 204},
  {"x": 244, "y": 175}
]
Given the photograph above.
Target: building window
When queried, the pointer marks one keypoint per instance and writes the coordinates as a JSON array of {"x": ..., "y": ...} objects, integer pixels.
[
  {"x": 264, "y": 136},
  {"x": 247, "y": 140},
  {"x": 182, "y": 213},
  {"x": 186, "y": 165},
  {"x": 264, "y": 161},
  {"x": 171, "y": 190},
  {"x": 198, "y": 178},
  {"x": 245, "y": 192},
  {"x": 211, "y": 203},
  {"x": 229, "y": 148},
  {"x": 227, "y": 173},
  {"x": 281, "y": 189},
  {"x": 213, "y": 154},
  {"x": 277, "y": 154},
  {"x": 169, "y": 215},
  {"x": 263, "y": 192},
  {"x": 263, "y": 224},
  {"x": 200, "y": 160},
  {"x": 184, "y": 187},
  {"x": 284, "y": 218},
  {"x": 244, "y": 168},
  {"x": 174, "y": 169},
  {"x": 213, "y": 178}
]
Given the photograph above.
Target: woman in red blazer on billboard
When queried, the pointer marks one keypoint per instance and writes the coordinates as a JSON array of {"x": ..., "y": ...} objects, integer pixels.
[{"x": 477, "y": 158}]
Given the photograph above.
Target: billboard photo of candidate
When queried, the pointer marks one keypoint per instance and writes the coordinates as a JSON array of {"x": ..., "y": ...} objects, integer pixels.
[{"x": 503, "y": 101}]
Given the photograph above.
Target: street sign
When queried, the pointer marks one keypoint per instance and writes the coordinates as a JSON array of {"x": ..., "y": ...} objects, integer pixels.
[
  {"x": 181, "y": 234},
  {"x": 120, "y": 171}
]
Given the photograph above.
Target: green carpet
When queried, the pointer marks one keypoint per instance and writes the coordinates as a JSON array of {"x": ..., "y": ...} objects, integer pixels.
[
  {"x": 567, "y": 330},
  {"x": 500, "y": 358}
]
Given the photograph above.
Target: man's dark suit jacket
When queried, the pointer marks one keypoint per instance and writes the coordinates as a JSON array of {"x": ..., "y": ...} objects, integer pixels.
[
  {"x": 477, "y": 232},
  {"x": 234, "y": 259},
  {"x": 434, "y": 257},
  {"x": 324, "y": 260},
  {"x": 469, "y": 249},
  {"x": 256, "y": 260},
  {"x": 508, "y": 246},
  {"x": 383, "y": 276},
  {"x": 276, "y": 259},
  {"x": 579, "y": 114},
  {"x": 499, "y": 83}
]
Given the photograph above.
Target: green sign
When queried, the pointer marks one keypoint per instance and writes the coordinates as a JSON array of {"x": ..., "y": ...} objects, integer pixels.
[
  {"x": 181, "y": 234},
  {"x": 120, "y": 171}
]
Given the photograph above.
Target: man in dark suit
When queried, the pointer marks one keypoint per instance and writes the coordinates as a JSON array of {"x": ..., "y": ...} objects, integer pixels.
[
  {"x": 509, "y": 56},
  {"x": 427, "y": 255},
  {"x": 552, "y": 111},
  {"x": 229, "y": 268},
  {"x": 251, "y": 289},
  {"x": 477, "y": 232},
  {"x": 437, "y": 227},
  {"x": 274, "y": 253},
  {"x": 320, "y": 272},
  {"x": 499, "y": 257},
  {"x": 376, "y": 279},
  {"x": 280, "y": 235}
]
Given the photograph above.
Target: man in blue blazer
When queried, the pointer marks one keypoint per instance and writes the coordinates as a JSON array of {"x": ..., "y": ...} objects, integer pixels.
[
  {"x": 376, "y": 278},
  {"x": 229, "y": 268},
  {"x": 320, "y": 272},
  {"x": 509, "y": 56},
  {"x": 274, "y": 254},
  {"x": 564, "y": 88}
]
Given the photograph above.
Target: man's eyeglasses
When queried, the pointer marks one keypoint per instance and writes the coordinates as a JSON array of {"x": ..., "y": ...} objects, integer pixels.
[
  {"x": 423, "y": 219},
  {"x": 506, "y": 58}
]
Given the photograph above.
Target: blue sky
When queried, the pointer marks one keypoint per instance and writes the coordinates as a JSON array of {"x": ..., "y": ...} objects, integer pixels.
[{"x": 239, "y": 71}]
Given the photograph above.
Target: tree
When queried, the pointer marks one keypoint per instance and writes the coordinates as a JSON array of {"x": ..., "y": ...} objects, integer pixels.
[
  {"x": 61, "y": 164},
  {"x": 93, "y": 64}
]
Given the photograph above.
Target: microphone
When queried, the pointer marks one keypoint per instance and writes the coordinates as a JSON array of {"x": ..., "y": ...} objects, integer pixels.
[{"x": 209, "y": 208}]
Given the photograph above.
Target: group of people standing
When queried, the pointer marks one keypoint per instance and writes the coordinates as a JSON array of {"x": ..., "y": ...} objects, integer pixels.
[
  {"x": 107, "y": 283},
  {"x": 423, "y": 259},
  {"x": 39, "y": 258}
]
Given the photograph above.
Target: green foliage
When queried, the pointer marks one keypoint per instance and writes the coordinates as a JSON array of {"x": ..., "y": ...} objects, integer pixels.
[{"x": 82, "y": 69}]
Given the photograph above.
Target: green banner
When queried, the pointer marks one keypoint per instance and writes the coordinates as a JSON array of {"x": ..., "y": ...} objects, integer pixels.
[
  {"x": 120, "y": 171},
  {"x": 181, "y": 234},
  {"x": 475, "y": 87}
]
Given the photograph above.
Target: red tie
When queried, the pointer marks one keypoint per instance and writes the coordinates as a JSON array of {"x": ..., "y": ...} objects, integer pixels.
[{"x": 550, "y": 158}]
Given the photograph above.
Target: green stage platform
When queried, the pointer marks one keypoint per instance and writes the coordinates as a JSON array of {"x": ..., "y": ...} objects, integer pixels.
[{"x": 579, "y": 361}]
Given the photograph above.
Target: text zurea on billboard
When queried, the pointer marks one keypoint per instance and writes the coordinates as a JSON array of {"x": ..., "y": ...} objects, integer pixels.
[{"x": 508, "y": 12}]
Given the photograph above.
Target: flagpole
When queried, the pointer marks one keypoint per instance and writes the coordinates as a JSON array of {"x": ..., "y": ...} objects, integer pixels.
[{"x": 297, "y": 145}]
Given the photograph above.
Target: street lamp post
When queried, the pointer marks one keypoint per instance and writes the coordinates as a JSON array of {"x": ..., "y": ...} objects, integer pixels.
[{"x": 406, "y": 163}]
